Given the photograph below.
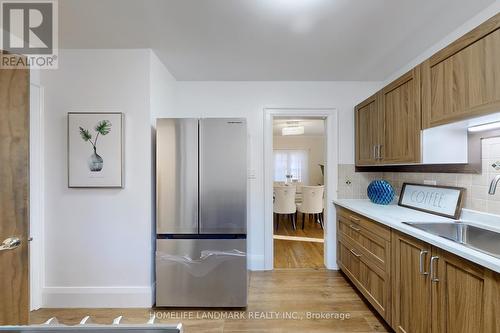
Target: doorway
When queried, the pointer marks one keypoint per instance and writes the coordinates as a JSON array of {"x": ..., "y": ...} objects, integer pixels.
[
  {"x": 289, "y": 164},
  {"x": 298, "y": 191}
]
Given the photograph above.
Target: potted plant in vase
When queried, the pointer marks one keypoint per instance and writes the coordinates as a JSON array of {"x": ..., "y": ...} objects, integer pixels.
[{"x": 95, "y": 162}]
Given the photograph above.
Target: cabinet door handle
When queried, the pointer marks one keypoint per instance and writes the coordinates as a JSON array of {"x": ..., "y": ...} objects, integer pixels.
[
  {"x": 433, "y": 272},
  {"x": 421, "y": 269},
  {"x": 354, "y": 219},
  {"x": 354, "y": 228},
  {"x": 355, "y": 254}
]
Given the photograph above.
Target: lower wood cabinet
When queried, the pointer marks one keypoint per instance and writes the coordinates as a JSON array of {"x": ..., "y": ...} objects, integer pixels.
[
  {"x": 416, "y": 287},
  {"x": 411, "y": 301},
  {"x": 372, "y": 281},
  {"x": 364, "y": 256},
  {"x": 465, "y": 296},
  {"x": 436, "y": 291}
]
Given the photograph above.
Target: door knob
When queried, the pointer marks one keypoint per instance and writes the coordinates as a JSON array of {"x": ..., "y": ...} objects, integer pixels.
[{"x": 10, "y": 243}]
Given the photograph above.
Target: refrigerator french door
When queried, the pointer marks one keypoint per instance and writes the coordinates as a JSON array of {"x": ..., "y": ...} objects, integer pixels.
[
  {"x": 201, "y": 213},
  {"x": 223, "y": 170}
]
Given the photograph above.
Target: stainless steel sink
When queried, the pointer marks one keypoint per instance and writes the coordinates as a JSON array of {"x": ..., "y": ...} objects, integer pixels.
[{"x": 472, "y": 236}]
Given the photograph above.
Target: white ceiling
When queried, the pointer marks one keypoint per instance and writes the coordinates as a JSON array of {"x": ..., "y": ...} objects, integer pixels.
[
  {"x": 312, "y": 127},
  {"x": 365, "y": 40}
]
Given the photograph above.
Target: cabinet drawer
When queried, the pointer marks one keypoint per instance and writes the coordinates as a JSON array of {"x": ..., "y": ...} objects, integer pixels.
[
  {"x": 374, "y": 227},
  {"x": 370, "y": 243},
  {"x": 372, "y": 281}
]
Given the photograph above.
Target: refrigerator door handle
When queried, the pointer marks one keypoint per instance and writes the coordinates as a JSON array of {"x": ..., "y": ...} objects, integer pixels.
[{"x": 200, "y": 174}]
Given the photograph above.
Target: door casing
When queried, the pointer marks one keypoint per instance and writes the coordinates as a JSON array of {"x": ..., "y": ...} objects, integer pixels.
[{"x": 331, "y": 178}]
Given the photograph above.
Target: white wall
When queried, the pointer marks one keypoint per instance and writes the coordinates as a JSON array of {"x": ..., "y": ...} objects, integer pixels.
[
  {"x": 315, "y": 147},
  {"x": 98, "y": 242},
  {"x": 248, "y": 99},
  {"x": 162, "y": 102},
  {"x": 163, "y": 89}
]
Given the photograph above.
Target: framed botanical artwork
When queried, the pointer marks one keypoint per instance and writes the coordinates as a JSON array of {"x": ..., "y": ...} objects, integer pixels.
[
  {"x": 95, "y": 149},
  {"x": 440, "y": 200}
]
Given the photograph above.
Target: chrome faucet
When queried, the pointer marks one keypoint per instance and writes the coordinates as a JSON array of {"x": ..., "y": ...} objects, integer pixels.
[{"x": 493, "y": 185}]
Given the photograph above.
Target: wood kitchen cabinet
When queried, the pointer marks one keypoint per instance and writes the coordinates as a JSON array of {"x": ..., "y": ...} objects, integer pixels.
[
  {"x": 368, "y": 128},
  {"x": 416, "y": 287},
  {"x": 401, "y": 113},
  {"x": 364, "y": 256},
  {"x": 465, "y": 296},
  {"x": 388, "y": 124},
  {"x": 436, "y": 291},
  {"x": 463, "y": 80},
  {"x": 411, "y": 302}
]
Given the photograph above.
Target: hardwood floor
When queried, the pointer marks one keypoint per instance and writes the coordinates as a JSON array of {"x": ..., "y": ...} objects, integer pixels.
[
  {"x": 311, "y": 228},
  {"x": 298, "y": 254},
  {"x": 294, "y": 293}
]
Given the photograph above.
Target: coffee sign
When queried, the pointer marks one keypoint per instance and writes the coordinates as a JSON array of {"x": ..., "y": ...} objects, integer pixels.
[{"x": 439, "y": 200}]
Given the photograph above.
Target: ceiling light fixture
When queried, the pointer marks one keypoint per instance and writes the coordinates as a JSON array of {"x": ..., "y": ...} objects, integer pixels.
[
  {"x": 293, "y": 4},
  {"x": 484, "y": 127},
  {"x": 292, "y": 130}
]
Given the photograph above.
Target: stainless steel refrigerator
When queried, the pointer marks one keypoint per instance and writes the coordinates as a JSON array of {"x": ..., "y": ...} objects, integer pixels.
[{"x": 201, "y": 199}]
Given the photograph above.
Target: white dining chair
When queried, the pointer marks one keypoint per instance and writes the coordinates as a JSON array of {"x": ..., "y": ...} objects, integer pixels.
[
  {"x": 312, "y": 203},
  {"x": 284, "y": 204},
  {"x": 298, "y": 195}
]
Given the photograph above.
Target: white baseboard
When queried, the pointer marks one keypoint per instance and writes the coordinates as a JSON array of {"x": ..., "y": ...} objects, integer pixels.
[{"x": 97, "y": 297}]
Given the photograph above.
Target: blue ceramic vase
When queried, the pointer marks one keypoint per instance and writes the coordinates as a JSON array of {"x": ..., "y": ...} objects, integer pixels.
[{"x": 380, "y": 192}]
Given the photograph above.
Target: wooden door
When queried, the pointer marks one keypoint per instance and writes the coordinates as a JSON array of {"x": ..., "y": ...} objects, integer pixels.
[
  {"x": 367, "y": 126},
  {"x": 466, "y": 297},
  {"x": 401, "y": 114},
  {"x": 411, "y": 303},
  {"x": 14, "y": 180},
  {"x": 463, "y": 80}
]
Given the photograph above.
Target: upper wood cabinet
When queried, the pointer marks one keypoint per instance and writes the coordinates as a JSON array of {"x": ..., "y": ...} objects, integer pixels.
[
  {"x": 401, "y": 113},
  {"x": 388, "y": 124},
  {"x": 367, "y": 124},
  {"x": 463, "y": 80},
  {"x": 459, "y": 82}
]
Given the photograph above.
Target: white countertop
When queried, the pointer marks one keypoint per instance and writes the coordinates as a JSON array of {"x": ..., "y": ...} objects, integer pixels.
[{"x": 393, "y": 216}]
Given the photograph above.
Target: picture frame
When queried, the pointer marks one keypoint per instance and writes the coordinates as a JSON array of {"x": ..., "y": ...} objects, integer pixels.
[
  {"x": 95, "y": 149},
  {"x": 446, "y": 201}
]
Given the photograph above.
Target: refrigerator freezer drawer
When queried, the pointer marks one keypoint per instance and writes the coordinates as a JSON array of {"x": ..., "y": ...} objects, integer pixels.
[{"x": 201, "y": 273}]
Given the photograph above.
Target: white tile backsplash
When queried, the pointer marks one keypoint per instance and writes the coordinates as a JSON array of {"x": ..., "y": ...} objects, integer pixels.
[{"x": 353, "y": 185}]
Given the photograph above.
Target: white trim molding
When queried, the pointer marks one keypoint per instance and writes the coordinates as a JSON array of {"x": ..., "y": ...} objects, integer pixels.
[
  {"x": 36, "y": 210},
  {"x": 331, "y": 178},
  {"x": 255, "y": 262},
  {"x": 98, "y": 297}
]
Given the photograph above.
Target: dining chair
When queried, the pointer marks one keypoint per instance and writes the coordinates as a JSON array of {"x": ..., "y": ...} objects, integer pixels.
[
  {"x": 312, "y": 203},
  {"x": 284, "y": 204},
  {"x": 298, "y": 195}
]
